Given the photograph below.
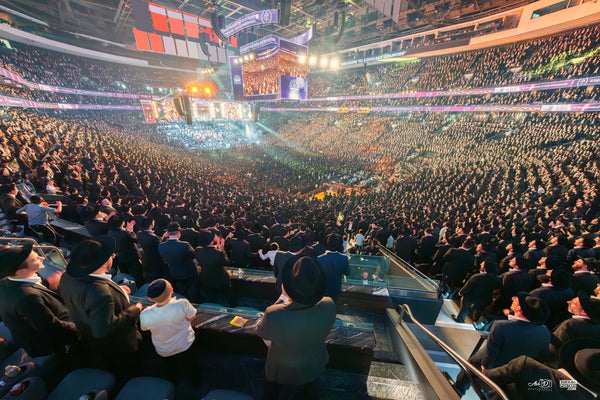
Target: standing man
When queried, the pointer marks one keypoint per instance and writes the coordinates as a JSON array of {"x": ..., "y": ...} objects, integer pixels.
[
  {"x": 213, "y": 276},
  {"x": 179, "y": 256},
  {"x": 35, "y": 315},
  {"x": 334, "y": 265},
  {"x": 153, "y": 265},
  {"x": 100, "y": 308},
  {"x": 296, "y": 329}
]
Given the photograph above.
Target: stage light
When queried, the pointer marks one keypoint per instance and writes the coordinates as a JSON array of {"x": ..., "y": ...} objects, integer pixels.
[
  {"x": 334, "y": 64},
  {"x": 312, "y": 60},
  {"x": 207, "y": 90},
  {"x": 194, "y": 89},
  {"x": 324, "y": 62},
  {"x": 236, "y": 60},
  {"x": 251, "y": 56},
  {"x": 302, "y": 59}
]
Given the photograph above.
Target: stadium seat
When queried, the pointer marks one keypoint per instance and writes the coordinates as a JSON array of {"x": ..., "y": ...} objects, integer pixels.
[
  {"x": 32, "y": 388},
  {"x": 94, "y": 382},
  {"x": 147, "y": 388}
]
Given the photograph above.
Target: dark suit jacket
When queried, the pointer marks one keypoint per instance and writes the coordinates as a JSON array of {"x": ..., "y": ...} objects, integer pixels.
[
  {"x": 334, "y": 265},
  {"x": 38, "y": 320},
  {"x": 212, "y": 267},
  {"x": 510, "y": 339},
  {"x": 426, "y": 246},
  {"x": 458, "y": 263},
  {"x": 191, "y": 236},
  {"x": 180, "y": 259},
  {"x": 153, "y": 265},
  {"x": 238, "y": 252},
  {"x": 280, "y": 259},
  {"x": 556, "y": 299},
  {"x": 102, "y": 313},
  {"x": 256, "y": 242},
  {"x": 479, "y": 289},
  {"x": 532, "y": 257},
  {"x": 10, "y": 205},
  {"x": 517, "y": 377},
  {"x": 405, "y": 247},
  {"x": 96, "y": 228},
  {"x": 575, "y": 328},
  {"x": 514, "y": 282},
  {"x": 126, "y": 250},
  {"x": 584, "y": 281}
]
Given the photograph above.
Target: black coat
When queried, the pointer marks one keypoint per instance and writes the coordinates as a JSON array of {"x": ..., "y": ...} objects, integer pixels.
[
  {"x": 280, "y": 259},
  {"x": 191, "y": 236},
  {"x": 405, "y": 247},
  {"x": 102, "y": 312},
  {"x": 458, "y": 263},
  {"x": 334, "y": 265},
  {"x": 584, "y": 281},
  {"x": 153, "y": 265},
  {"x": 96, "y": 228},
  {"x": 426, "y": 246},
  {"x": 179, "y": 256},
  {"x": 256, "y": 242},
  {"x": 212, "y": 267},
  {"x": 556, "y": 299},
  {"x": 238, "y": 252},
  {"x": 479, "y": 289},
  {"x": 36, "y": 317},
  {"x": 126, "y": 250}
]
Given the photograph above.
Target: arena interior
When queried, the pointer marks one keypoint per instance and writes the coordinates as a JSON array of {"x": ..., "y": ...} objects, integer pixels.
[{"x": 299, "y": 199}]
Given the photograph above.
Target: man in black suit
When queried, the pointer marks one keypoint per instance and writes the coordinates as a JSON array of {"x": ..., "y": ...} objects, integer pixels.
[
  {"x": 238, "y": 250},
  {"x": 458, "y": 263},
  {"x": 100, "y": 308},
  {"x": 522, "y": 334},
  {"x": 213, "y": 276},
  {"x": 334, "y": 265},
  {"x": 95, "y": 221},
  {"x": 128, "y": 257},
  {"x": 555, "y": 294},
  {"x": 477, "y": 292},
  {"x": 179, "y": 256},
  {"x": 280, "y": 260},
  {"x": 582, "y": 278},
  {"x": 534, "y": 253},
  {"x": 582, "y": 249},
  {"x": 405, "y": 245},
  {"x": 426, "y": 247},
  {"x": 153, "y": 265},
  {"x": 584, "y": 324},
  {"x": 517, "y": 279},
  {"x": 189, "y": 234},
  {"x": 35, "y": 315}
]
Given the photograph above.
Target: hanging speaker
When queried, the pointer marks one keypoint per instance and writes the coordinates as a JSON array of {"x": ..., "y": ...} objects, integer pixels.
[
  {"x": 342, "y": 27},
  {"x": 214, "y": 20},
  {"x": 285, "y": 9}
]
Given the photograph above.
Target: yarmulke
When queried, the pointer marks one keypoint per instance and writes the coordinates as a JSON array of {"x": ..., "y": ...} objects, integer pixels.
[{"x": 159, "y": 290}]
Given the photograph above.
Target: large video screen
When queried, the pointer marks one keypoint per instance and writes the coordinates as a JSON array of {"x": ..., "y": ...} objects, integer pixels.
[
  {"x": 274, "y": 72},
  {"x": 159, "y": 111}
]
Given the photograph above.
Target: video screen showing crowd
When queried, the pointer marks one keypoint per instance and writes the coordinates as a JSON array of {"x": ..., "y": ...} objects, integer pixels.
[{"x": 503, "y": 208}]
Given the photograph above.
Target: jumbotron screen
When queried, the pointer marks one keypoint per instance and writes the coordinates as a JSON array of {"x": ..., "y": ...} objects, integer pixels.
[
  {"x": 269, "y": 70},
  {"x": 202, "y": 110}
]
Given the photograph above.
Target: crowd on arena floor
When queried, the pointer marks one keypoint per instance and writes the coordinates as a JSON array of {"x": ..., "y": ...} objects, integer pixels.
[{"x": 503, "y": 208}]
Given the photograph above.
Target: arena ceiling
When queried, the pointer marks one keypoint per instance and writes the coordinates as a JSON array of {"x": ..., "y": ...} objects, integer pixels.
[{"x": 112, "y": 19}]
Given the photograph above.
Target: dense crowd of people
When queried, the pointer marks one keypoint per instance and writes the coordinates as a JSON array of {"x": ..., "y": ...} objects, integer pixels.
[{"x": 502, "y": 208}]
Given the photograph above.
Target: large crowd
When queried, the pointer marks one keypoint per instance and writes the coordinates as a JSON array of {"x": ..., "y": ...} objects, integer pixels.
[{"x": 506, "y": 203}]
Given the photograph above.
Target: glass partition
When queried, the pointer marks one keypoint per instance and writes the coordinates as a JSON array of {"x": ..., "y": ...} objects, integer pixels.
[{"x": 368, "y": 270}]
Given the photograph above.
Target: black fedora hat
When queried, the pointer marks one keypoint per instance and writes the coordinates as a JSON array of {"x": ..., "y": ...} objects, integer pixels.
[
  {"x": 304, "y": 281},
  {"x": 534, "y": 309},
  {"x": 11, "y": 258},
  {"x": 90, "y": 255},
  {"x": 591, "y": 305},
  {"x": 580, "y": 358}
]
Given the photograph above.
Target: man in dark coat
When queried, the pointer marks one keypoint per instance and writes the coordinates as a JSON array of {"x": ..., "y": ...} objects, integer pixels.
[
  {"x": 153, "y": 265},
  {"x": 458, "y": 263},
  {"x": 555, "y": 294},
  {"x": 100, "y": 308},
  {"x": 523, "y": 334},
  {"x": 35, "y": 315},
  {"x": 297, "y": 329},
  {"x": 213, "y": 276},
  {"x": 583, "y": 279},
  {"x": 405, "y": 245},
  {"x": 95, "y": 221},
  {"x": 128, "y": 257},
  {"x": 426, "y": 246},
  {"x": 334, "y": 265},
  {"x": 189, "y": 234},
  {"x": 179, "y": 256},
  {"x": 477, "y": 292},
  {"x": 238, "y": 250},
  {"x": 584, "y": 324}
]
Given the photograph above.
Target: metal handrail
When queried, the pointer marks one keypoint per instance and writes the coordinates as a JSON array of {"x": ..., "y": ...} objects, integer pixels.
[{"x": 465, "y": 364}]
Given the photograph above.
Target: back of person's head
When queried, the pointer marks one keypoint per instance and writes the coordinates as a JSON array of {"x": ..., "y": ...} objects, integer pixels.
[
  {"x": 274, "y": 246},
  {"x": 35, "y": 199},
  {"x": 146, "y": 223},
  {"x": 560, "y": 278},
  {"x": 469, "y": 244}
]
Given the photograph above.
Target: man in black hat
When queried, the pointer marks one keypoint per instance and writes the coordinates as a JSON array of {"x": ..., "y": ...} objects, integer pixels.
[
  {"x": 477, "y": 292},
  {"x": 35, "y": 315},
  {"x": 95, "y": 220},
  {"x": 583, "y": 279},
  {"x": 584, "y": 324},
  {"x": 179, "y": 256},
  {"x": 153, "y": 265},
  {"x": 100, "y": 308},
  {"x": 297, "y": 329},
  {"x": 213, "y": 276},
  {"x": 128, "y": 257},
  {"x": 522, "y": 334}
]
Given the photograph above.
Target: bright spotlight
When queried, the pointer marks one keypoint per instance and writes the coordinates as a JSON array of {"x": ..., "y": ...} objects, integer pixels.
[
  {"x": 334, "y": 63},
  {"x": 251, "y": 56},
  {"x": 194, "y": 89},
  {"x": 302, "y": 59},
  {"x": 207, "y": 90},
  {"x": 324, "y": 62},
  {"x": 236, "y": 60},
  {"x": 312, "y": 60}
]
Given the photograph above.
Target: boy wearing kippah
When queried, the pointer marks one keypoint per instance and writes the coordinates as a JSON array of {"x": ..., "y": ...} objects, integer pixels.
[{"x": 168, "y": 320}]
